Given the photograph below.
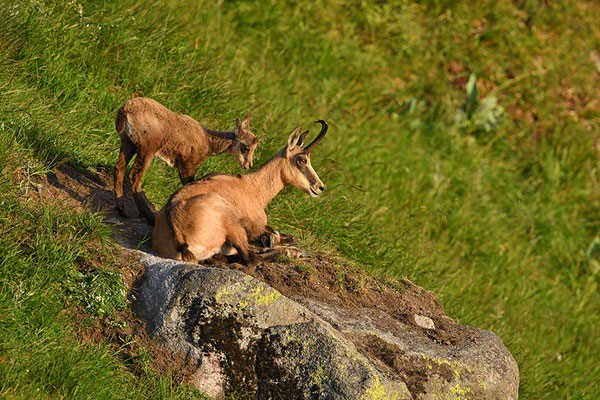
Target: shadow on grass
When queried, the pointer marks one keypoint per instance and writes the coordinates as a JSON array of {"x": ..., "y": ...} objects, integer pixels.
[{"x": 93, "y": 190}]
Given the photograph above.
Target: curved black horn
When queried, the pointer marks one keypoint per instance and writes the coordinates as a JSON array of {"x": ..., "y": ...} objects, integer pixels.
[{"x": 319, "y": 137}]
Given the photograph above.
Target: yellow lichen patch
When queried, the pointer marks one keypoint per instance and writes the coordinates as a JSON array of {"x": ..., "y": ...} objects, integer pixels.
[
  {"x": 318, "y": 376},
  {"x": 457, "y": 393},
  {"x": 231, "y": 299},
  {"x": 378, "y": 392},
  {"x": 288, "y": 337},
  {"x": 455, "y": 366},
  {"x": 373, "y": 333},
  {"x": 263, "y": 296},
  {"x": 339, "y": 363},
  {"x": 306, "y": 344},
  {"x": 227, "y": 298},
  {"x": 481, "y": 383},
  {"x": 457, "y": 390},
  {"x": 221, "y": 293}
]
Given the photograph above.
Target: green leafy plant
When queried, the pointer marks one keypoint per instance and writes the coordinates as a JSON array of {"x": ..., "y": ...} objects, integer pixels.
[
  {"x": 476, "y": 116},
  {"x": 101, "y": 293}
]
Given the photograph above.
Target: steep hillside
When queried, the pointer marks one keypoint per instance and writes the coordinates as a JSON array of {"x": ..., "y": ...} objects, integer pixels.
[{"x": 463, "y": 155}]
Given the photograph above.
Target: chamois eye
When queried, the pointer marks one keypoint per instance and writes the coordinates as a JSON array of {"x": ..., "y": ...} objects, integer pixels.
[
  {"x": 302, "y": 161},
  {"x": 244, "y": 148}
]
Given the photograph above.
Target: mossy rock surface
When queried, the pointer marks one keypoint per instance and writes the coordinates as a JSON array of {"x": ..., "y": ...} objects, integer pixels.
[{"x": 250, "y": 340}]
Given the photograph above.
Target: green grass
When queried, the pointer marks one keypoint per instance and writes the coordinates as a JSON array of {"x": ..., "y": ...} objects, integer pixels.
[
  {"x": 493, "y": 206},
  {"x": 40, "y": 247}
]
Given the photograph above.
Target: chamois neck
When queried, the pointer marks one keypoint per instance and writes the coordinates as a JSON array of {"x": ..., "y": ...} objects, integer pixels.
[
  {"x": 267, "y": 180},
  {"x": 219, "y": 141}
]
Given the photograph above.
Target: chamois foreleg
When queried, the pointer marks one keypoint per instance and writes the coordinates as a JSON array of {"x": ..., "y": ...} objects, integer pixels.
[
  {"x": 125, "y": 153},
  {"x": 238, "y": 239},
  {"x": 144, "y": 206},
  {"x": 217, "y": 259},
  {"x": 188, "y": 256}
]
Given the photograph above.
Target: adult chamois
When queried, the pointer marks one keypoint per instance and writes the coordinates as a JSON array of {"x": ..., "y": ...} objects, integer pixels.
[
  {"x": 221, "y": 213},
  {"x": 148, "y": 129}
]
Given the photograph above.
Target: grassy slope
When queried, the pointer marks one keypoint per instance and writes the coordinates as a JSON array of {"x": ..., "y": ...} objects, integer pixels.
[
  {"x": 40, "y": 245},
  {"x": 497, "y": 223}
]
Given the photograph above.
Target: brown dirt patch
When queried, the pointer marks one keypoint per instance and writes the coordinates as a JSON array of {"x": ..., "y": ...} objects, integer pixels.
[{"x": 387, "y": 301}]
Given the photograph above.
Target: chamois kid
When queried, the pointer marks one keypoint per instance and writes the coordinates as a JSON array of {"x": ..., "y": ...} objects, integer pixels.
[
  {"x": 148, "y": 129},
  {"x": 221, "y": 214}
]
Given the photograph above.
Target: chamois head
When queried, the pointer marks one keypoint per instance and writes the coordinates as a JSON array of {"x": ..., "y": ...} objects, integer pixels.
[
  {"x": 297, "y": 171},
  {"x": 244, "y": 143}
]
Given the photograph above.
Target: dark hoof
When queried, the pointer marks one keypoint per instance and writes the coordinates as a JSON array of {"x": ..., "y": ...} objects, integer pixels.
[
  {"x": 150, "y": 219},
  {"x": 124, "y": 214},
  {"x": 120, "y": 206},
  {"x": 145, "y": 207}
]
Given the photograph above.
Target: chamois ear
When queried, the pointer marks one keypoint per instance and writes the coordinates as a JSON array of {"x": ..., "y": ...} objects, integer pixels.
[
  {"x": 246, "y": 122},
  {"x": 238, "y": 128},
  {"x": 302, "y": 138},
  {"x": 293, "y": 140}
]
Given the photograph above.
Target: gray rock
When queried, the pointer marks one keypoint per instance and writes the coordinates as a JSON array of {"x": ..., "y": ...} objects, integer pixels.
[
  {"x": 250, "y": 340},
  {"x": 424, "y": 322}
]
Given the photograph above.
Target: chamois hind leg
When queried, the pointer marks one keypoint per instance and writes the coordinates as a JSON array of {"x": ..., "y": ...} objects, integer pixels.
[
  {"x": 271, "y": 238},
  {"x": 125, "y": 153},
  {"x": 144, "y": 206}
]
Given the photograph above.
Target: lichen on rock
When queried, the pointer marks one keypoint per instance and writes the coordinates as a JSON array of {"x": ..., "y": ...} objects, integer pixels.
[{"x": 249, "y": 339}]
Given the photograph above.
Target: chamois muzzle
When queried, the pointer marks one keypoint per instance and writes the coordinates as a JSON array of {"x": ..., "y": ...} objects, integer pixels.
[{"x": 319, "y": 137}]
